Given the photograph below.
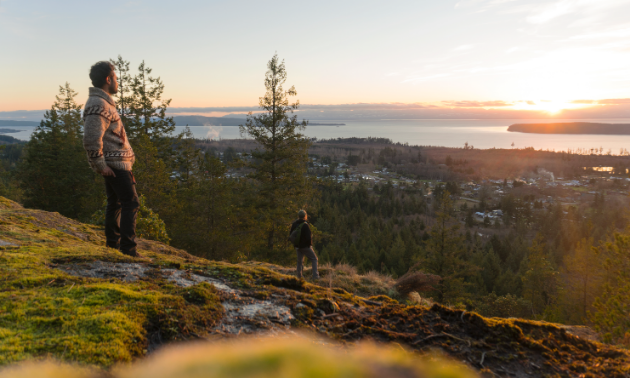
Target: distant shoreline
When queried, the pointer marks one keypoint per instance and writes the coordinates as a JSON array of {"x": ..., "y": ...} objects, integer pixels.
[{"x": 585, "y": 128}]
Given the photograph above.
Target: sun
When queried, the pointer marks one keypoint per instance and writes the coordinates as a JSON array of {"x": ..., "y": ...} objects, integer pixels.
[{"x": 551, "y": 107}]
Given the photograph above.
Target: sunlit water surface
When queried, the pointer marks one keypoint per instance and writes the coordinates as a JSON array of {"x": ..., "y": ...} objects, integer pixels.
[{"x": 480, "y": 133}]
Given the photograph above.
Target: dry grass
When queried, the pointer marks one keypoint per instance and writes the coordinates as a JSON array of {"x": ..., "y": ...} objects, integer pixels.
[
  {"x": 415, "y": 298},
  {"x": 415, "y": 282}
]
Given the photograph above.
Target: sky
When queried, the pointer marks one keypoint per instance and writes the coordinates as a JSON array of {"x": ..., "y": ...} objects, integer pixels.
[{"x": 475, "y": 58}]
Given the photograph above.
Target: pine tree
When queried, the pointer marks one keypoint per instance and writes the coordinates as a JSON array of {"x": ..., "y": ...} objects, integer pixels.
[
  {"x": 55, "y": 174},
  {"x": 582, "y": 281},
  {"x": 151, "y": 137},
  {"x": 148, "y": 109},
  {"x": 445, "y": 255},
  {"x": 540, "y": 280},
  {"x": 613, "y": 305},
  {"x": 124, "y": 95},
  {"x": 279, "y": 163},
  {"x": 209, "y": 225}
]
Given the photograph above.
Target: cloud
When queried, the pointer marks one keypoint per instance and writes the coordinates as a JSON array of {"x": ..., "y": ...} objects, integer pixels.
[
  {"x": 476, "y": 104},
  {"x": 464, "y": 47},
  {"x": 615, "y": 101},
  {"x": 617, "y": 32},
  {"x": 589, "y": 8},
  {"x": 585, "y": 102},
  {"x": 551, "y": 11},
  {"x": 423, "y": 78}
]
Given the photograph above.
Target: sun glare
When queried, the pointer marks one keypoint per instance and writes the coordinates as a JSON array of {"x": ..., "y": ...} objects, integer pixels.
[{"x": 552, "y": 107}]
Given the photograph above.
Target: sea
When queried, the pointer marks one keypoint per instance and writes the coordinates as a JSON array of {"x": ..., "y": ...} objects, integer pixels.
[{"x": 479, "y": 133}]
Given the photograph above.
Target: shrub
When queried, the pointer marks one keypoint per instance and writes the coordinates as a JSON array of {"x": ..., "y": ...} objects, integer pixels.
[
  {"x": 148, "y": 225},
  {"x": 504, "y": 307},
  {"x": 415, "y": 282}
]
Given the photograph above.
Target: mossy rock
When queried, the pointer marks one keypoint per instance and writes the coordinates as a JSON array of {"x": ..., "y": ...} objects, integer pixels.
[{"x": 47, "y": 312}]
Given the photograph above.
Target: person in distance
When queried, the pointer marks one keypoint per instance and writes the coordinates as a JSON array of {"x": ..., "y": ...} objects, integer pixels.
[{"x": 302, "y": 238}]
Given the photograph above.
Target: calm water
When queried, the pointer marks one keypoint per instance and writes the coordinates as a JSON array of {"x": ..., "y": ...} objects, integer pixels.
[{"x": 449, "y": 133}]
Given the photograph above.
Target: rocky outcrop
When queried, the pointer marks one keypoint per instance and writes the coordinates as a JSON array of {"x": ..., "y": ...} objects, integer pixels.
[{"x": 64, "y": 295}]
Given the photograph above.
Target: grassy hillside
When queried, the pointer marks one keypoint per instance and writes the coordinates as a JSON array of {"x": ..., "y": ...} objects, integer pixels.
[{"x": 65, "y": 296}]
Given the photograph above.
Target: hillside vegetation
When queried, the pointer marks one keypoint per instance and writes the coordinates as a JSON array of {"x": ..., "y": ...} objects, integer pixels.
[{"x": 65, "y": 296}]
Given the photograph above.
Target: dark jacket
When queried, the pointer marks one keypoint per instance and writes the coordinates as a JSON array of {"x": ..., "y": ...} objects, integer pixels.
[{"x": 306, "y": 238}]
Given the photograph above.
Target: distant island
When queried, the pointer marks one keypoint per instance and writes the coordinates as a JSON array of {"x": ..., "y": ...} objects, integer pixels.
[
  {"x": 572, "y": 128},
  {"x": 4, "y": 122}
]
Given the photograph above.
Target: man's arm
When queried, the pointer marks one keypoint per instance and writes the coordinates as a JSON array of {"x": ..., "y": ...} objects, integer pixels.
[{"x": 95, "y": 126}]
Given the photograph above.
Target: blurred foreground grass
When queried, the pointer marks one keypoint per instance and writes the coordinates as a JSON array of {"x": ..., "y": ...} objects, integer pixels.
[{"x": 294, "y": 357}]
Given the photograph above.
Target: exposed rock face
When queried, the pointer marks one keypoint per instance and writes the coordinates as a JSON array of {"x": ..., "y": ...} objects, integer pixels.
[{"x": 243, "y": 314}]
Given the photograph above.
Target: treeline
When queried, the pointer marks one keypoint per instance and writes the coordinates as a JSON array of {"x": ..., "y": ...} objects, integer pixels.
[{"x": 565, "y": 265}]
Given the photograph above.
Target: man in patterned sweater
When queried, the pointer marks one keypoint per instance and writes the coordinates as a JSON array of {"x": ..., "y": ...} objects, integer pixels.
[{"x": 110, "y": 155}]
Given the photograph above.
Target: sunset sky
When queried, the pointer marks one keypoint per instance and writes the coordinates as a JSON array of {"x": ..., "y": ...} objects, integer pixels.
[{"x": 471, "y": 54}]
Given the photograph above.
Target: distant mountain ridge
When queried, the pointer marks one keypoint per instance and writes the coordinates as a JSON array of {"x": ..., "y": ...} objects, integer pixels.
[
  {"x": 17, "y": 123},
  {"x": 207, "y": 121},
  {"x": 572, "y": 128},
  {"x": 225, "y": 121}
]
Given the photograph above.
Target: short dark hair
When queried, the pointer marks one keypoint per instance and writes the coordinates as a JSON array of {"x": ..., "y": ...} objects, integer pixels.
[{"x": 99, "y": 73}]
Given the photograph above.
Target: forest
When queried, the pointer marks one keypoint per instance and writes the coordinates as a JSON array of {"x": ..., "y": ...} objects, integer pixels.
[{"x": 548, "y": 256}]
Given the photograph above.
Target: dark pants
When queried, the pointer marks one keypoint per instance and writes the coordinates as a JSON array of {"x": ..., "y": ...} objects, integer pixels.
[
  {"x": 121, "y": 213},
  {"x": 310, "y": 254}
]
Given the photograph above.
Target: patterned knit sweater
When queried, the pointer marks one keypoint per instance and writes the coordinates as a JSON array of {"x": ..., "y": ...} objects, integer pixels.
[{"x": 104, "y": 137}]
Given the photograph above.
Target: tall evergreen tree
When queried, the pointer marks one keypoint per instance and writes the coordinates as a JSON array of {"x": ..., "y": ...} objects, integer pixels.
[
  {"x": 613, "y": 305},
  {"x": 540, "y": 280},
  {"x": 55, "y": 174},
  {"x": 445, "y": 255},
  {"x": 125, "y": 91},
  {"x": 279, "y": 162},
  {"x": 582, "y": 278},
  {"x": 148, "y": 109},
  {"x": 151, "y": 136}
]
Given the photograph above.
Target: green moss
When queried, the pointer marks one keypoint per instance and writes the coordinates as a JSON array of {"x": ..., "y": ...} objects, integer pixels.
[{"x": 46, "y": 312}]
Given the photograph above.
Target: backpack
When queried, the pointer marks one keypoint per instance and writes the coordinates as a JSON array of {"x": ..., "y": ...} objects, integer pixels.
[{"x": 294, "y": 238}]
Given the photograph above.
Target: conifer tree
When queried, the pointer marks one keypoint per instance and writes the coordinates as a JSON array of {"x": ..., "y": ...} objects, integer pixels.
[
  {"x": 148, "y": 109},
  {"x": 445, "y": 255},
  {"x": 124, "y": 95},
  {"x": 582, "y": 281},
  {"x": 207, "y": 224},
  {"x": 151, "y": 136},
  {"x": 613, "y": 305},
  {"x": 55, "y": 174},
  {"x": 279, "y": 161},
  {"x": 540, "y": 280}
]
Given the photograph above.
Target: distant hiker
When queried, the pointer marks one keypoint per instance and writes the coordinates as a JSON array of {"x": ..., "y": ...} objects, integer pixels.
[
  {"x": 301, "y": 237},
  {"x": 110, "y": 155}
]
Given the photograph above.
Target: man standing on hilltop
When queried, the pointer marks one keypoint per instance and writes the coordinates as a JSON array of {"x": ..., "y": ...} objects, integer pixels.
[
  {"x": 110, "y": 155},
  {"x": 304, "y": 246}
]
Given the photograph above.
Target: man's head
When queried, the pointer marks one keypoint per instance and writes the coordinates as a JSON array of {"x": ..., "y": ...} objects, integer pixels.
[
  {"x": 302, "y": 214},
  {"x": 103, "y": 76}
]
